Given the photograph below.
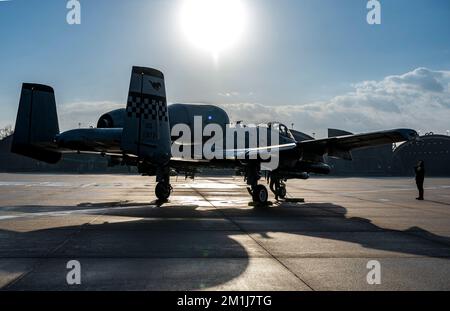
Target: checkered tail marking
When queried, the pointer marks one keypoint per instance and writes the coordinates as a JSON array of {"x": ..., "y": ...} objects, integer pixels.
[{"x": 147, "y": 108}]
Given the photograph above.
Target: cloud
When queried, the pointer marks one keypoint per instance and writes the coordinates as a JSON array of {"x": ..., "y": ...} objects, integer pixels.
[
  {"x": 419, "y": 99},
  {"x": 229, "y": 94},
  {"x": 235, "y": 94}
]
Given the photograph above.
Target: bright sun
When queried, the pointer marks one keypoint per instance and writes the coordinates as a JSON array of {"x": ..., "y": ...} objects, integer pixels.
[{"x": 213, "y": 25}]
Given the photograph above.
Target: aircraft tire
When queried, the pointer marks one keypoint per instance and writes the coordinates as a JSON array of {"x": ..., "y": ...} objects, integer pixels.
[
  {"x": 260, "y": 194},
  {"x": 162, "y": 191}
]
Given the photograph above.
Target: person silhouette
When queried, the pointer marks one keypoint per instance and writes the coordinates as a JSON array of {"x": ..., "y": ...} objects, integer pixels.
[{"x": 420, "y": 177}]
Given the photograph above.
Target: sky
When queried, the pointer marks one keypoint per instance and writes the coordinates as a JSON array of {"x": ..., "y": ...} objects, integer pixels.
[{"x": 314, "y": 63}]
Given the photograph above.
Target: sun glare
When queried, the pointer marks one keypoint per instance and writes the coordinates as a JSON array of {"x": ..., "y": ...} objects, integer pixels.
[{"x": 213, "y": 25}]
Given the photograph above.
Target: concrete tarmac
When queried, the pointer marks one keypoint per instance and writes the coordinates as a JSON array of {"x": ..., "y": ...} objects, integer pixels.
[{"x": 209, "y": 237}]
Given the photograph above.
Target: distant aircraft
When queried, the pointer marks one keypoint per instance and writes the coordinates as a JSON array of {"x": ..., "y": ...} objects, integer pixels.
[{"x": 140, "y": 135}]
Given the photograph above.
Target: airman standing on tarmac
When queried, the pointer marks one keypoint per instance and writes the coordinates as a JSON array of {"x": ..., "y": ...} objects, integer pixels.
[{"x": 420, "y": 176}]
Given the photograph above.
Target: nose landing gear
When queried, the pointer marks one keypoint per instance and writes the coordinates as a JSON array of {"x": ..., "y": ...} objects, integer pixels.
[{"x": 260, "y": 194}]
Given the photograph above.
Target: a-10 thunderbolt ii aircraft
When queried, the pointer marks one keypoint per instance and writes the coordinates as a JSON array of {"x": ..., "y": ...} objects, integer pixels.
[{"x": 146, "y": 133}]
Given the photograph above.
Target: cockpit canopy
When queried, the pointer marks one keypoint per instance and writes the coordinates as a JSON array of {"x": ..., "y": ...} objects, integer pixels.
[{"x": 283, "y": 129}]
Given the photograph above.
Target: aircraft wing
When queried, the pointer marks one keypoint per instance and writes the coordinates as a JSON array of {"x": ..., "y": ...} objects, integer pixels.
[
  {"x": 341, "y": 146},
  {"x": 249, "y": 153}
]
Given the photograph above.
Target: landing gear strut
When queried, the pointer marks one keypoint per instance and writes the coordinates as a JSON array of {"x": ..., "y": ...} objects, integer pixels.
[
  {"x": 163, "y": 188},
  {"x": 278, "y": 187}
]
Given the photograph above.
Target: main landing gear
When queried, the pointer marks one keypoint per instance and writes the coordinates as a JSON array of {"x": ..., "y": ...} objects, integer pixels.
[
  {"x": 163, "y": 188},
  {"x": 259, "y": 193},
  {"x": 163, "y": 191},
  {"x": 278, "y": 187}
]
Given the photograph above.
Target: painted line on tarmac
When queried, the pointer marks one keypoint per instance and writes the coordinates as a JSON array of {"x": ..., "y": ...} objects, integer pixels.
[{"x": 71, "y": 212}]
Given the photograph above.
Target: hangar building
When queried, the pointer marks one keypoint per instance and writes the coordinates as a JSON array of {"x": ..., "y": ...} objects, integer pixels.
[
  {"x": 431, "y": 148},
  {"x": 372, "y": 161}
]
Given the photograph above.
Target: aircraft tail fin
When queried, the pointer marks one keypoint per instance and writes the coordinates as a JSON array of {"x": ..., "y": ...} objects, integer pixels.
[
  {"x": 36, "y": 124},
  {"x": 146, "y": 131}
]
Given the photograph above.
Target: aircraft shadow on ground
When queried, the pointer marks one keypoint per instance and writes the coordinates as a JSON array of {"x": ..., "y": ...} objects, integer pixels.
[{"x": 195, "y": 240}]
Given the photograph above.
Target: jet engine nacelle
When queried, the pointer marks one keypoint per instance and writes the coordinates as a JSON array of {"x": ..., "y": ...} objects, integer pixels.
[
  {"x": 112, "y": 119},
  {"x": 186, "y": 113},
  {"x": 178, "y": 113}
]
